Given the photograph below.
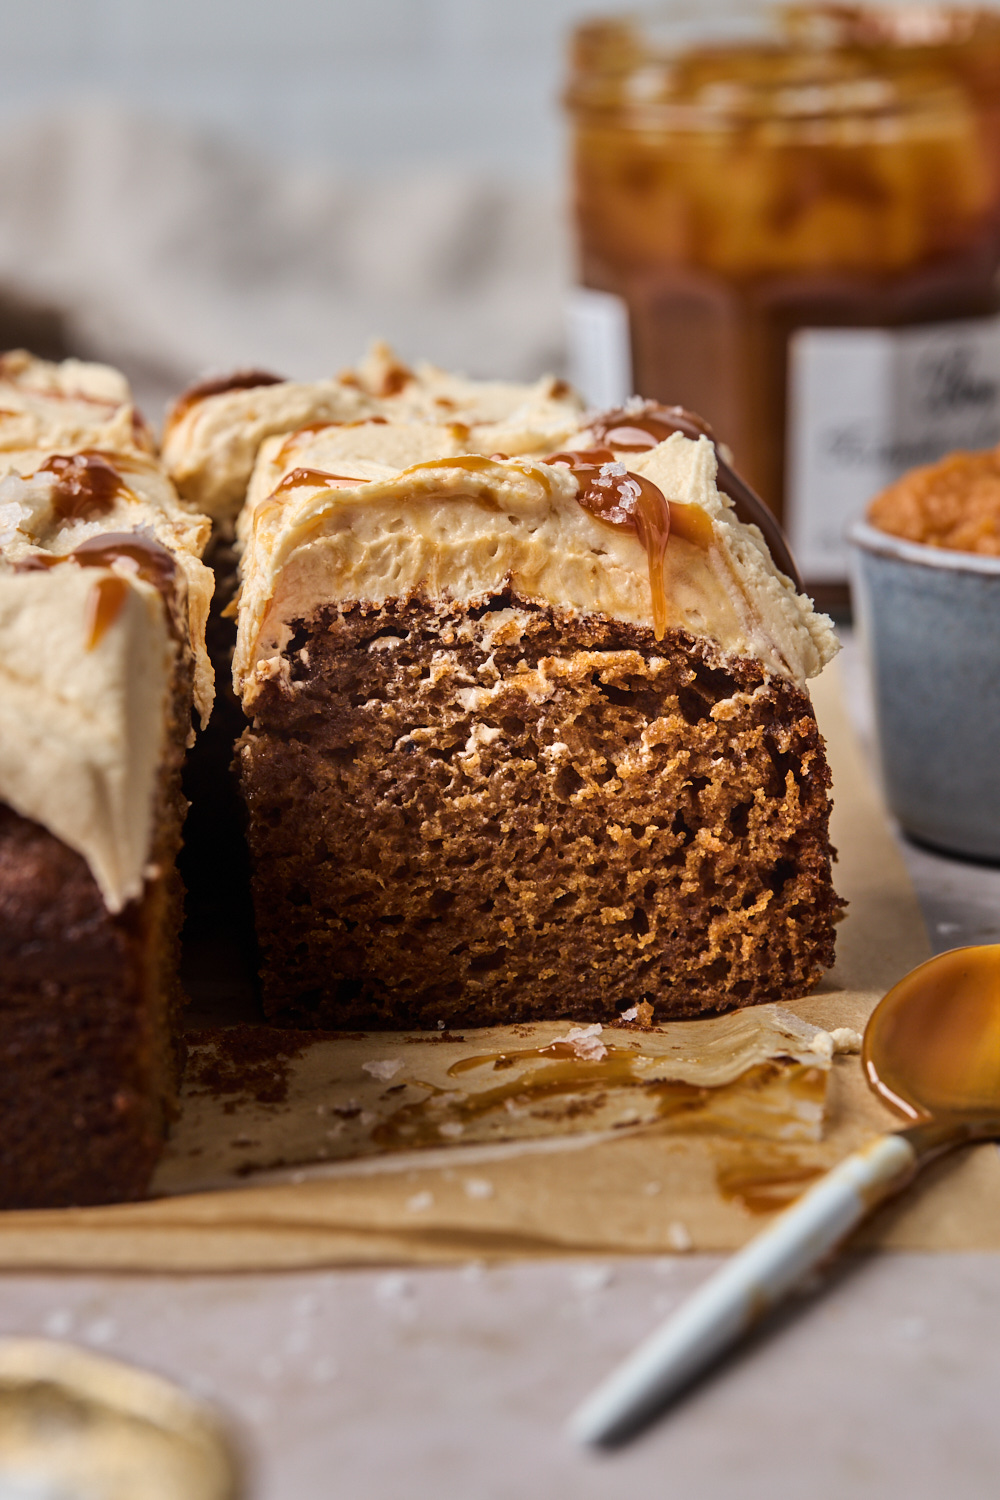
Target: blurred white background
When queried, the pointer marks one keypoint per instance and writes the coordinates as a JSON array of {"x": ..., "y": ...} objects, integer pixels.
[
  {"x": 374, "y": 84},
  {"x": 193, "y": 185}
]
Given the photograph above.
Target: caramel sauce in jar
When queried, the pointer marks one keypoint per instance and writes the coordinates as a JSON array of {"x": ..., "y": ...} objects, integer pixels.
[{"x": 816, "y": 167}]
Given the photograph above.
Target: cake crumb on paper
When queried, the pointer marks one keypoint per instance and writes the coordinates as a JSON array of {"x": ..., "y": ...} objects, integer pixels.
[
  {"x": 641, "y": 1014},
  {"x": 842, "y": 1039},
  {"x": 846, "y": 1039}
]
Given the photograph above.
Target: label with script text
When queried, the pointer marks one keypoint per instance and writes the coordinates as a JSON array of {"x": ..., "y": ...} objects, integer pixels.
[{"x": 865, "y": 405}]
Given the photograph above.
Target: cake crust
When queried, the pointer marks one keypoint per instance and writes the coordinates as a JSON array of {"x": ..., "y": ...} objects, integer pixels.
[{"x": 506, "y": 812}]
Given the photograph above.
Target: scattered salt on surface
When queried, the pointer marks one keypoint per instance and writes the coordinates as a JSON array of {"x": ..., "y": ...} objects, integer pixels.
[
  {"x": 101, "y": 1331},
  {"x": 679, "y": 1236},
  {"x": 394, "y": 1288},
  {"x": 478, "y": 1187},
  {"x": 420, "y": 1202},
  {"x": 586, "y": 1042},
  {"x": 592, "y": 1278},
  {"x": 383, "y": 1068}
]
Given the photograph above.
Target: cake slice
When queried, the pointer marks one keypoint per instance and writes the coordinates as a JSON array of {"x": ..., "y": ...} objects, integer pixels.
[
  {"x": 63, "y": 407},
  {"x": 103, "y": 601},
  {"x": 527, "y": 739}
]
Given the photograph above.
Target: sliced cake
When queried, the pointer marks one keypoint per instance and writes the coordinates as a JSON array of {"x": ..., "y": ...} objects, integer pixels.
[
  {"x": 527, "y": 739},
  {"x": 103, "y": 601}
]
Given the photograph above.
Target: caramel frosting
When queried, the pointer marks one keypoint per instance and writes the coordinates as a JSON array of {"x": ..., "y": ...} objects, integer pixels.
[
  {"x": 213, "y": 434},
  {"x": 62, "y": 407},
  {"x": 52, "y": 503},
  {"x": 103, "y": 598},
  {"x": 86, "y": 660},
  {"x": 568, "y": 533}
]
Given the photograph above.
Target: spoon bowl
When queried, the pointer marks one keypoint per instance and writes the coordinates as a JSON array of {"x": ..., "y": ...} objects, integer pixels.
[
  {"x": 932, "y": 1052},
  {"x": 932, "y": 1045}
]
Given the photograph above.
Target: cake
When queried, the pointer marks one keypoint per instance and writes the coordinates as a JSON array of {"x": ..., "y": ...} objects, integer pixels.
[
  {"x": 212, "y": 439},
  {"x": 103, "y": 601},
  {"x": 527, "y": 738}
]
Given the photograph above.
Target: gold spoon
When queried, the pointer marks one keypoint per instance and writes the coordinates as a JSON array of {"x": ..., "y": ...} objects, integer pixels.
[{"x": 932, "y": 1052}]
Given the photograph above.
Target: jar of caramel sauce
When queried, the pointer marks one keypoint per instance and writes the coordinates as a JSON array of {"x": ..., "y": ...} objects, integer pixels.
[{"x": 789, "y": 222}]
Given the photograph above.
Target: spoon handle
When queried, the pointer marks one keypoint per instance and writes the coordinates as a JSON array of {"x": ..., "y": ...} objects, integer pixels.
[{"x": 741, "y": 1292}]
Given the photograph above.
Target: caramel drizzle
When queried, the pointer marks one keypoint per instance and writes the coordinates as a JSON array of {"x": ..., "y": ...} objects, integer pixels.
[
  {"x": 316, "y": 477},
  {"x": 311, "y": 428},
  {"x": 628, "y": 502},
  {"x": 104, "y": 605},
  {"x": 239, "y": 380},
  {"x": 86, "y": 485},
  {"x": 636, "y": 432},
  {"x": 149, "y": 561}
]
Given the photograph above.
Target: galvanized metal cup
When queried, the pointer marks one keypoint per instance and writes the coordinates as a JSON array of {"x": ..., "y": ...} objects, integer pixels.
[{"x": 930, "y": 622}]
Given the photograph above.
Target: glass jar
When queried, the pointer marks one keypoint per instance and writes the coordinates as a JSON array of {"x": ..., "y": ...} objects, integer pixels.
[{"x": 789, "y": 222}]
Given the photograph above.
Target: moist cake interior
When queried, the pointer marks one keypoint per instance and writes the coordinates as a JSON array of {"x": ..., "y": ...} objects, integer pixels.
[{"x": 487, "y": 815}]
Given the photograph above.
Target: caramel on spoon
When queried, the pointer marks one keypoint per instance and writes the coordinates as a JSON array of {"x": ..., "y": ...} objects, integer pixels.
[{"x": 932, "y": 1052}]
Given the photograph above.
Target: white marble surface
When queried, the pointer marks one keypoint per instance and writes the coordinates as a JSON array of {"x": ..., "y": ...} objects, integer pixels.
[{"x": 453, "y": 1384}]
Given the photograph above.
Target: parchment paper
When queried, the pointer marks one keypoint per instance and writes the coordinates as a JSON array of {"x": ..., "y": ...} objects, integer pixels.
[{"x": 617, "y": 1176}]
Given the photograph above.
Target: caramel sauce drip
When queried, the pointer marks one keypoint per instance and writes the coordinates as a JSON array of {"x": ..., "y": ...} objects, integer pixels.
[
  {"x": 298, "y": 478},
  {"x": 239, "y": 380},
  {"x": 311, "y": 428},
  {"x": 558, "y": 1078},
  {"x": 932, "y": 1046},
  {"x": 105, "y": 604},
  {"x": 763, "y": 1181},
  {"x": 636, "y": 432},
  {"x": 628, "y": 502},
  {"x": 86, "y": 485},
  {"x": 396, "y": 378},
  {"x": 149, "y": 561}
]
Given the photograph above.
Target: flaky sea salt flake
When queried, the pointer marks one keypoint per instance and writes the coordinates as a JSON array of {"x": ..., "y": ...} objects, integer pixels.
[
  {"x": 383, "y": 1068},
  {"x": 586, "y": 1042}
]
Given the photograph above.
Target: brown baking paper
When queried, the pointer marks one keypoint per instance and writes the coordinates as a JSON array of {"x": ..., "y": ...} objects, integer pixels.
[{"x": 539, "y": 1140}]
